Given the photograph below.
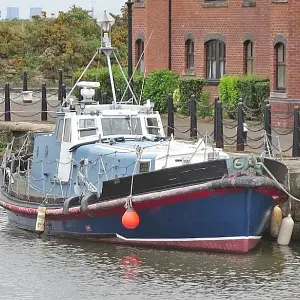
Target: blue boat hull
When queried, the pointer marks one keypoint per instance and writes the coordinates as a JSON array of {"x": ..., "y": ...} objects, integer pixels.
[{"x": 226, "y": 220}]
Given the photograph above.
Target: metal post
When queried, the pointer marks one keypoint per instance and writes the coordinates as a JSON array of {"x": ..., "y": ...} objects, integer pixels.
[
  {"x": 7, "y": 113},
  {"x": 129, "y": 5},
  {"x": 268, "y": 123},
  {"x": 170, "y": 130},
  {"x": 219, "y": 126},
  {"x": 193, "y": 110},
  {"x": 99, "y": 96},
  {"x": 296, "y": 133},
  {"x": 44, "y": 115},
  {"x": 80, "y": 98},
  {"x": 240, "y": 144},
  {"x": 215, "y": 118},
  {"x": 64, "y": 91},
  {"x": 104, "y": 98},
  {"x": 60, "y": 83},
  {"x": 25, "y": 81}
]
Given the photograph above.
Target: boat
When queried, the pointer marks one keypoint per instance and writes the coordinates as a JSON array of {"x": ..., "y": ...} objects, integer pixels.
[{"x": 108, "y": 173}]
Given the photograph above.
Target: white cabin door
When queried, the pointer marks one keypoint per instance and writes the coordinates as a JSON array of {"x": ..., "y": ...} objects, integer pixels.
[{"x": 65, "y": 158}]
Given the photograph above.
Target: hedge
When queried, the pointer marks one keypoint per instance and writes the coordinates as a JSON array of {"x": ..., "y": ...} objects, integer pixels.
[
  {"x": 189, "y": 86},
  {"x": 252, "y": 89},
  {"x": 158, "y": 85}
]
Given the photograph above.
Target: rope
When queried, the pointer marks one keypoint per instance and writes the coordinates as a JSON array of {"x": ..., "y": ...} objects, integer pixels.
[
  {"x": 128, "y": 203},
  {"x": 279, "y": 184}
]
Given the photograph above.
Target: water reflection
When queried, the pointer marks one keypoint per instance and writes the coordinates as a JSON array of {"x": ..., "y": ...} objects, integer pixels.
[{"x": 52, "y": 268}]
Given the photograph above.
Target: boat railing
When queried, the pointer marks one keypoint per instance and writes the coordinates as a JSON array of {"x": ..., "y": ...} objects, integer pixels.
[{"x": 21, "y": 180}]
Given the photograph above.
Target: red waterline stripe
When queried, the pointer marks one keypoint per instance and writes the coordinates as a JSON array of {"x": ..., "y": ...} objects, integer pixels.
[{"x": 57, "y": 214}]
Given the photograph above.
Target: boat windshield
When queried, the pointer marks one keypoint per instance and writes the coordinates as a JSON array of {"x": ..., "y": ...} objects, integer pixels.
[{"x": 121, "y": 126}]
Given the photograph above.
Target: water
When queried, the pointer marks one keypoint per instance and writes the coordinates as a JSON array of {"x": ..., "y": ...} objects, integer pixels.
[{"x": 50, "y": 268}]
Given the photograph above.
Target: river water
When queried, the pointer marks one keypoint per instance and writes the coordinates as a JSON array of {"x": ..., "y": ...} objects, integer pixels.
[{"x": 50, "y": 268}]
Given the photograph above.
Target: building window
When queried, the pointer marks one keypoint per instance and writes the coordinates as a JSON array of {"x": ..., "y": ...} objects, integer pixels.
[
  {"x": 139, "y": 47},
  {"x": 215, "y": 59},
  {"x": 280, "y": 66},
  {"x": 189, "y": 56},
  {"x": 248, "y": 50}
]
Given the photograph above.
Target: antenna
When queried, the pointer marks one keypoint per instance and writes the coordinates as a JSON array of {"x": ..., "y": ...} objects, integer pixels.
[{"x": 92, "y": 2}]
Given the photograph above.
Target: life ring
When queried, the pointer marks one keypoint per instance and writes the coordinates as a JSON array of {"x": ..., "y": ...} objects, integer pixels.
[{"x": 238, "y": 164}]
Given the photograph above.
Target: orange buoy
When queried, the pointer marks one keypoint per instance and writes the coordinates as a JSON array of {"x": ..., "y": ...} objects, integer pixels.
[{"x": 130, "y": 219}]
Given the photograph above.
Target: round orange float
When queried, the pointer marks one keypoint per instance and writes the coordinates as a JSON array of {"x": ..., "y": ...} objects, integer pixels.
[{"x": 130, "y": 219}]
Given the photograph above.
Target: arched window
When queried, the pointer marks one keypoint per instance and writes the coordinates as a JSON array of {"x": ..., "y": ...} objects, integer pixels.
[
  {"x": 189, "y": 54},
  {"x": 139, "y": 49},
  {"x": 280, "y": 52},
  {"x": 248, "y": 55},
  {"x": 215, "y": 59}
]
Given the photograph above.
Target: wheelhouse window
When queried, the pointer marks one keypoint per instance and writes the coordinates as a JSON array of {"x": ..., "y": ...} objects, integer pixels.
[
  {"x": 152, "y": 126},
  {"x": 215, "y": 59},
  {"x": 280, "y": 51},
  {"x": 121, "y": 126},
  {"x": 248, "y": 50},
  {"x": 87, "y": 127},
  {"x": 67, "y": 131},
  {"x": 60, "y": 129},
  {"x": 139, "y": 46},
  {"x": 189, "y": 54}
]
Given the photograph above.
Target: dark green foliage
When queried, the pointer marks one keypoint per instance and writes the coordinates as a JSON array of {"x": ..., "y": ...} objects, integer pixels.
[
  {"x": 187, "y": 87},
  {"x": 204, "y": 106},
  {"x": 252, "y": 89},
  {"x": 158, "y": 85},
  {"x": 45, "y": 44}
]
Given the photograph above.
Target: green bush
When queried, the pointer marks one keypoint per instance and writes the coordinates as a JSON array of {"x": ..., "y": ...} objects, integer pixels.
[
  {"x": 204, "y": 107},
  {"x": 229, "y": 92},
  {"x": 101, "y": 75},
  {"x": 252, "y": 89},
  {"x": 176, "y": 100},
  {"x": 158, "y": 85},
  {"x": 187, "y": 87}
]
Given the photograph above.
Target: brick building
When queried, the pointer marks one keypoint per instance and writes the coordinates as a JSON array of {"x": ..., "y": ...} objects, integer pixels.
[{"x": 209, "y": 38}]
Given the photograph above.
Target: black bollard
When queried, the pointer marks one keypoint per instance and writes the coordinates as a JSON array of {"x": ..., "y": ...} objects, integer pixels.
[
  {"x": 44, "y": 115},
  {"x": 170, "y": 130},
  {"x": 215, "y": 118},
  {"x": 64, "y": 91},
  {"x": 219, "y": 126},
  {"x": 7, "y": 113},
  {"x": 268, "y": 128},
  {"x": 193, "y": 124},
  {"x": 240, "y": 144},
  {"x": 296, "y": 133},
  {"x": 60, "y": 85},
  {"x": 104, "y": 98},
  {"x": 25, "y": 81}
]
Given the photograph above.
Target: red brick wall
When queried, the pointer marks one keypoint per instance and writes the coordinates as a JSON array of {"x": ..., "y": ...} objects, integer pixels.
[
  {"x": 263, "y": 23},
  {"x": 138, "y": 27}
]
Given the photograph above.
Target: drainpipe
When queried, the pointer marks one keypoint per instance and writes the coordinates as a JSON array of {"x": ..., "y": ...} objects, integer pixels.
[{"x": 170, "y": 34}]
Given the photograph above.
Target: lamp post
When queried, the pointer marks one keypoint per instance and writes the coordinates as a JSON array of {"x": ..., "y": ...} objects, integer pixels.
[{"x": 129, "y": 5}]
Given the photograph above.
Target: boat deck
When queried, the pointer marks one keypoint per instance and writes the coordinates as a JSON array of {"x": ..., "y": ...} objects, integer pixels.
[{"x": 22, "y": 191}]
